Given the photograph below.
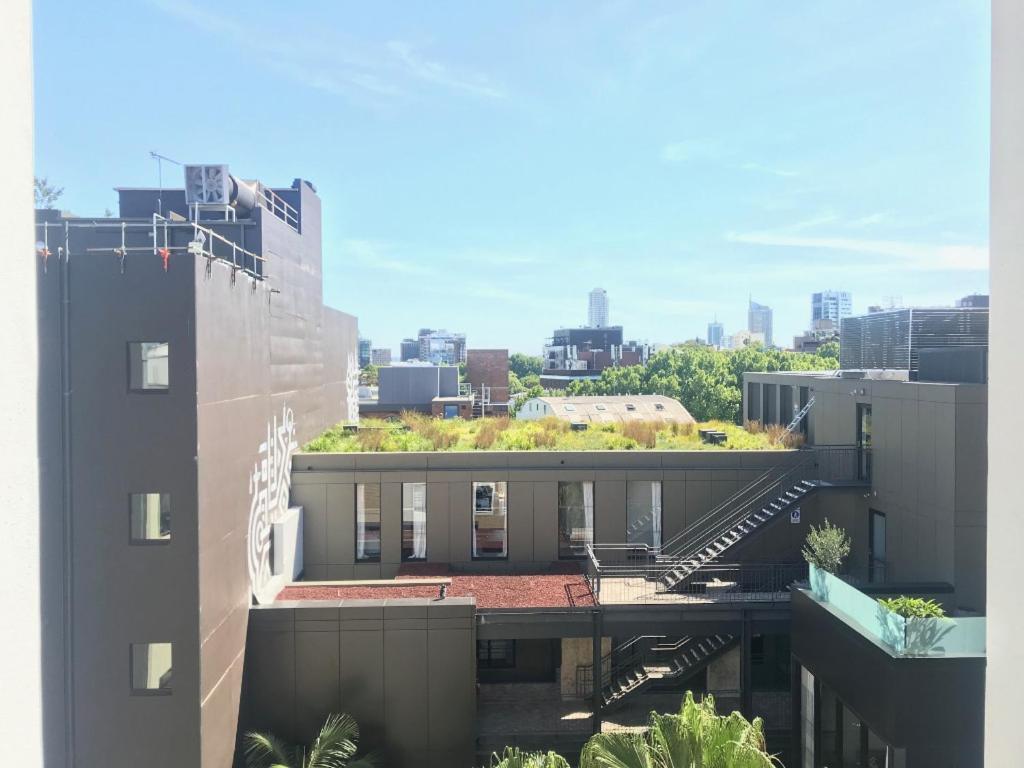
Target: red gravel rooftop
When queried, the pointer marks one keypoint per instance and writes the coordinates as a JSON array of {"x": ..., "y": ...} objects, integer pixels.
[{"x": 561, "y": 586}]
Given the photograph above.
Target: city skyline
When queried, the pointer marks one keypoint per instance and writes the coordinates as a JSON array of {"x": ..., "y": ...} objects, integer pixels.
[{"x": 867, "y": 169}]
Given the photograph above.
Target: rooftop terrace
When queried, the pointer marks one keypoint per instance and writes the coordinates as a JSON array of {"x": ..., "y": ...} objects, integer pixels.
[
  {"x": 416, "y": 432},
  {"x": 561, "y": 586}
]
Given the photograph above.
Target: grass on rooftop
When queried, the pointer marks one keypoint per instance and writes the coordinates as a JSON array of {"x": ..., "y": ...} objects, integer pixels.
[{"x": 418, "y": 432}]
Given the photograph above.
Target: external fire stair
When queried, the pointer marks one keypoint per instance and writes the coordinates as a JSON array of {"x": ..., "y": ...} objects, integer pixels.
[
  {"x": 734, "y": 521},
  {"x": 800, "y": 415},
  {"x": 660, "y": 660}
]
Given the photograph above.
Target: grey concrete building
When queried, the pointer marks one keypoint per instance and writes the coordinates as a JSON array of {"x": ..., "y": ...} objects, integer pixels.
[
  {"x": 183, "y": 359},
  {"x": 863, "y": 690}
]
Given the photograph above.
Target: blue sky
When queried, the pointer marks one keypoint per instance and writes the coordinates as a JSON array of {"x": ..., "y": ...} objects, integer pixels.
[{"x": 484, "y": 165}]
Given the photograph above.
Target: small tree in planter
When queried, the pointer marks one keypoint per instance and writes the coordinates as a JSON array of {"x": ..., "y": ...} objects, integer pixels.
[{"x": 827, "y": 547}]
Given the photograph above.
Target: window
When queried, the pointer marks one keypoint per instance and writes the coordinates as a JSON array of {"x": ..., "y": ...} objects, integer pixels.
[
  {"x": 414, "y": 521},
  {"x": 150, "y": 517},
  {"x": 368, "y": 522},
  {"x": 630, "y": 407},
  {"x": 451, "y": 411},
  {"x": 601, "y": 407},
  {"x": 643, "y": 512},
  {"x": 147, "y": 366},
  {"x": 575, "y": 518},
  {"x": 495, "y": 654},
  {"x": 490, "y": 523},
  {"x": 151, "y": 667},
  {"x": 876, "y": 546}
]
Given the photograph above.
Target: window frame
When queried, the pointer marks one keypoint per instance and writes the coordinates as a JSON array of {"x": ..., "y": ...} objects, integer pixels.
[
  {"x": 403, "y": 556},
  {"x": 380, "y": 532},
  {"x": 128, "y": 369},
  {"x": 473, "y": 516},
  {"x": 562, "y": 555},
  {"x": 147, "y": 542},
  {"x": 163, "y": 689},
  {"x": 487, "y": 663}
]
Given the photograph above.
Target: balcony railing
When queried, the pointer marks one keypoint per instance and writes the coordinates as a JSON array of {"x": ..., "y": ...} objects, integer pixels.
[
  {"x": 950, "y": 636},
  {"x": 618, "y": 576}
]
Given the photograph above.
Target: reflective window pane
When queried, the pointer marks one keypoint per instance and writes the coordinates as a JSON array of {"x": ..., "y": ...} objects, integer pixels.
[
  {"x": 151, "y": 667},
  {"x": 490, "y": 521},
  {"x": 414, "y": 521},
  {"x": 368, "y": 522},
  {"x": 575, "y": 518},
  {"x": 150, "y": 515},
  {"x": 147, "y": 365},
  {"x": 643, "y": 512}
]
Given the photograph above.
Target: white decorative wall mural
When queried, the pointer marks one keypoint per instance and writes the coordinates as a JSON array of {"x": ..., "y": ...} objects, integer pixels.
[
  {"x": 352, "y": 388},
  {"x": 269, "y": 485}
]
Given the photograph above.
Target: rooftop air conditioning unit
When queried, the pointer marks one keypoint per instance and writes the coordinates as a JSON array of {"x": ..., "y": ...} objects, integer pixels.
[{"x": 207, "y": 185}]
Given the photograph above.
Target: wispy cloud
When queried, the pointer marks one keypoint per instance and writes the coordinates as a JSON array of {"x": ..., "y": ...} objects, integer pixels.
[
  {"x": 758, "y": 168},
  {"x": 437, "y": 73},
  {"x": 374, "y": 254},
  {"x": 392, "y": 70},
  {"x": 910, "y": 254},
  {"x": 690, "y": 149}
]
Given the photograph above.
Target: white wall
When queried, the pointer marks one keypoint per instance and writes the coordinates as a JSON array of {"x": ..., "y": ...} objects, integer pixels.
[
  {"x": 1006, "y": 366},
  {"x": 20, "y": 696}
]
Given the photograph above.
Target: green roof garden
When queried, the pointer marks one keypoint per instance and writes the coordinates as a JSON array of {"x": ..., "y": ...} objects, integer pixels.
[{"x": 417, "y": 432}]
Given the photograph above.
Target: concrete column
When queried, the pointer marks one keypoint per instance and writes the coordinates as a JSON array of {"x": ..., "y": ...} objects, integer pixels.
[
  {"x": 746, "y": 692},
  {"x": 723, "y": 678},
  {"x": 576, "y": 652},
  {"x": 21, "y": 638},
  {"x": 596, "y": 656},
  {"x": 1006, "y": 419}
]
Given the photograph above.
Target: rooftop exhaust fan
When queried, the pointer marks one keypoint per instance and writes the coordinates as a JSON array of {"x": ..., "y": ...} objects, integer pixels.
[{"x": 207, "y": 185}]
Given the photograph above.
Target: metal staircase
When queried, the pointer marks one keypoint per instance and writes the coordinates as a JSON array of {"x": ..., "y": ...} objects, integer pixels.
[
  {"x": 795, "y": 422},
  {"x": 734, "y": 520},
  {"x": 645, "y": 659}
]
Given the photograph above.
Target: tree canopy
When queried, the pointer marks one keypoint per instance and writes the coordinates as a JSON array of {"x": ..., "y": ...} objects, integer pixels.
[
  {"x": 707, "y": 381},
  {"x": 525, "y": 365}
]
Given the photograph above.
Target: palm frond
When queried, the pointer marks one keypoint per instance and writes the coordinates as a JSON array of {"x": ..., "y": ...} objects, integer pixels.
[
  {"x": 265, "y": 750},
  {"x": 616, "y": 750},
  {"x": 335, "y": 744}
]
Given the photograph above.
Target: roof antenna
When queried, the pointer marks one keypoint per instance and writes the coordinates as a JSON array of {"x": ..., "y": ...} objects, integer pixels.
[{"x": 160, "y": 178}]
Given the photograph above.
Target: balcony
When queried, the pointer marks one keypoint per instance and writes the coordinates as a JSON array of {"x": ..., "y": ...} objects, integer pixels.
[{"x": 954, "y": 636}]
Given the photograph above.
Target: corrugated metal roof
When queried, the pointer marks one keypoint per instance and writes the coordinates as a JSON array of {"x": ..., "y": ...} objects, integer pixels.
[{"x": 611, "y": 408}]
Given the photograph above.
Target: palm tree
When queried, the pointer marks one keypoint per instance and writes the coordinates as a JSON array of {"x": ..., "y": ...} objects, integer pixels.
[
  {"x": 698, "y": 737},
  {"x": 513, "y": 758},
  {"x": 335, "y": 747}
]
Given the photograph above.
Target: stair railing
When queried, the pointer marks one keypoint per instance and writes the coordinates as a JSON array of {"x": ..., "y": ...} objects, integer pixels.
[
  {"x": 702, "y": 534},
  {"x": 742, "y": 500}
]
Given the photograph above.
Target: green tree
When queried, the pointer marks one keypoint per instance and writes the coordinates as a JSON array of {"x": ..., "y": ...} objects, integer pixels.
[
  {"x": 512, "y": 757},
  {"x": 334, "y": 747},
  {"x": 827, "y": 547},
  {"x": 698, "y": 737},
  {"x": 370, "y": 375},
  {"x": 707, "y": 381},
  {"x": 829, "y": 349},
  {"x": 46, "y": 194},
  {"x": 524, "y": 365}
]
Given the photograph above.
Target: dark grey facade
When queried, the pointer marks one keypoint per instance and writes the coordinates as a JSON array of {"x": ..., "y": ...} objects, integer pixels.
[
  {"x": 894, "y": 339},
  {"x": 405, "y": 669},
  {"x": 245, "y": 369},
  {"x": 413, "y": 387}
]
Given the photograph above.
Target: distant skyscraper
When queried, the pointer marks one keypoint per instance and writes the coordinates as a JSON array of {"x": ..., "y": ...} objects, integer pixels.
[
  {"x": 830, "y": 305},
  {"x": 597, "y": 314},
  {"x": 716, "y": 334},
  {"x": 759, "y": 320},
  {"x": 380, "y": 357},
  {"x": 364, "y": 352},
  {"x": 410, "y": 349},
  {"x": 975, "y": 301},
  {"x": 440, "y": 347}
]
